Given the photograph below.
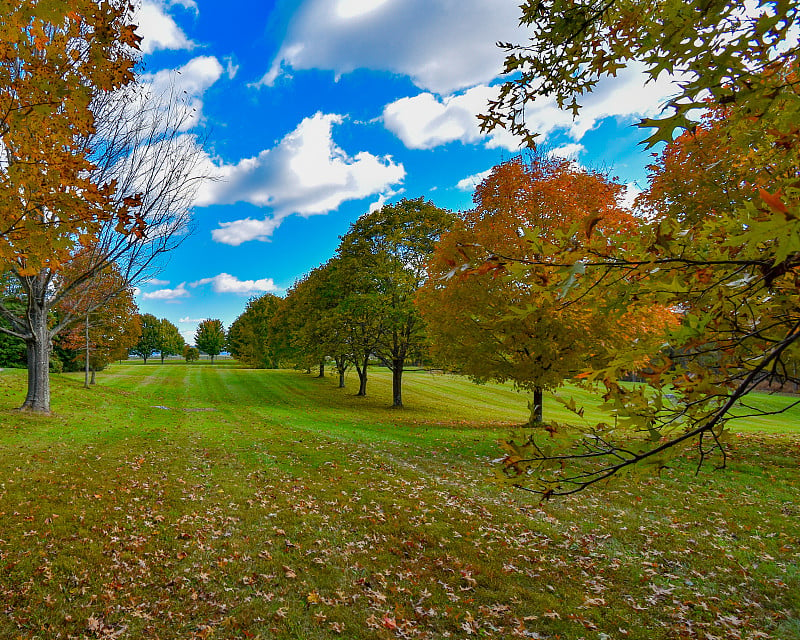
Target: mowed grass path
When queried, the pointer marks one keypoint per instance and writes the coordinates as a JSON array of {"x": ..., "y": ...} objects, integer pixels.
[{"x": 198, "y": 501}]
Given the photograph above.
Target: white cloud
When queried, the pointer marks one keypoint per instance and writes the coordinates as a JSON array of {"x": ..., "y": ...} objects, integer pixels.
[
  {"x": 442, "y": 45},
  {"x": 626, "y": 96},
  {"x": 470, "y": 182},
  {"x": 158, "y": 29},
  {"x": 226, "y": 283},
  {"x": 569, "y": 151},
  {"x": 186, "y": 4},
  {"x": 156, "y": 282},
  {"x": 168, "y": 294},
  {"x": 426, "y": 121},
  {"x": 187, "y": 319},
  {"x": 306, "y": 173},
  {"x": 183, "y": 88}
]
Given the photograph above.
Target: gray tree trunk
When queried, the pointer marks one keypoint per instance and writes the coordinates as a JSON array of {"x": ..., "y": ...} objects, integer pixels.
[{"x": 38, "y": 346}]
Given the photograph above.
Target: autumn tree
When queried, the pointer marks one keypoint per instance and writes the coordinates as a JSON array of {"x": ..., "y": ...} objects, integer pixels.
[
  {"x": 149, "y": 337},
  {"x": 471, "y": 313},
  {"x": 191, "y": 354},
  {"x": 390, "y": 247},
  {"x": 210, "y": 337},
  {"x": 55, "y": 59},
  {"x": 311, "y": 335},
  {"x": 106, "y": 332},
  {"x": 170, "y": 340},
  {"x": 250, "y": 338},
  {"x": 94, "y": 167},
  {"x": 727, "y": 258}
]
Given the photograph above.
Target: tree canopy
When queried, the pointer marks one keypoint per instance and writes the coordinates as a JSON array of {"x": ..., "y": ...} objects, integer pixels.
[
  {"x": 210, "y": 337},
  {"x": 387, "y": 250},
  {"x": 499, "y": 328}
]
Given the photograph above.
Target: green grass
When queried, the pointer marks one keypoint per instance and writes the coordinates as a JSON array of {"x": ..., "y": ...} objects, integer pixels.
[{"x": 272, "y": 504}]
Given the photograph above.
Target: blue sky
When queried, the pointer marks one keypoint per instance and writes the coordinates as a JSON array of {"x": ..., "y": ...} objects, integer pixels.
[{"x": 313, "y": 112}]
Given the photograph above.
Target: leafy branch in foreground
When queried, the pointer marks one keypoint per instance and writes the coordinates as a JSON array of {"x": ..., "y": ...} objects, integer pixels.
[{"x": 721, "y": 245}]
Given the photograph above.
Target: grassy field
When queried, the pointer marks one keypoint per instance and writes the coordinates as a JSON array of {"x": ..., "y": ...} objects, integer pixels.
[{"x": 208, "y": 501}]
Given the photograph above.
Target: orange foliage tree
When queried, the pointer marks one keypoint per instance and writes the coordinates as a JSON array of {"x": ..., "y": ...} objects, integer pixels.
[
  {"x": 110, "y": 323},
  {"x": 94, "y": 170},
  {"x": 55, "y": 58},
  {"x": 489, "y": 322}
]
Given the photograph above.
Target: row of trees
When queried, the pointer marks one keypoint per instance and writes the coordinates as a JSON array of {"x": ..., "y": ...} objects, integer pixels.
[
  {"x": 401, "y": 287},
  {"x": 158, "y": 336},
  {"x": 358, "y": 306}
]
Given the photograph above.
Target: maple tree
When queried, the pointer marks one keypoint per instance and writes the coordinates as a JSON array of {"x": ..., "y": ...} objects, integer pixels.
[
  {"x": 357, "y": 316},
  {"x": 88, "y": 175},
  {"x": 190, "y": 354},
  {"x": 727, "y": 257},
  {"x": 54, "y": 59},
  {"x": 471, "y": 312},
  {"x": 389, "y": 248},
  {"x": 210, "y": 337}
]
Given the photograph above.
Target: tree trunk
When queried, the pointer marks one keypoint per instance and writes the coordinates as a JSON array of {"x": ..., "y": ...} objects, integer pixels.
[
  {"x": 86, "y": 357},
  {"x": 397, "y": 383},
  {"x": 212, "y": 358},
  {"x": 537, "y": 409},
  {"x": 162, "y": 357},
  {"x": 92, "y": 382},
  {"x": 362, "y": 377},
  {"x": 341, "y": 368},
  {"x": 145, "y": 359},
  {"x": 38, "y": 345},
  {"x": 321, "y": 370}
]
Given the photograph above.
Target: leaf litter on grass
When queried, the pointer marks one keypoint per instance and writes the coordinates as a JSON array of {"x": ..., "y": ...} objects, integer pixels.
[{"x": 189, "y": 534}]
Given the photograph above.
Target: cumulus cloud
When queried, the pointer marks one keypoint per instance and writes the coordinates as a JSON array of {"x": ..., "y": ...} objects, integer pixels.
[
  {"x": 470, "y": 182},
  {"x": 187, "y": 83},
  {"x": 168, "y": 294},
  {"x": 306, "y": 174},
  {"x": 156, "y": 282},
  {"x": 226, "y": 283},
  {"x": 158, "y": 29},
  {"x": 443, "y": 46},
  {"x": 187, "y": 319},
  {"x": 425, "y": 121},
  {"x": 626, "y": 97}
]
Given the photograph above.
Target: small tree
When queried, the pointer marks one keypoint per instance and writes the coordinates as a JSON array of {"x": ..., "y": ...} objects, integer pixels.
[
  {"x": 107, "y": 332},
  {"x": 191, "y": 354},
  {"x": 249, "y": 337},
  {"x": 170, "y": 340},
  {"x": 210, "y": 337},
  {"x": 149, "y": 339},
  {"x": 470, "y": 313}
]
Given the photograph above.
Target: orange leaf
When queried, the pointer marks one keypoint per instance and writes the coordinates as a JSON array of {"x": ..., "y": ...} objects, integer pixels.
[{"x": 773, "y": 200}]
